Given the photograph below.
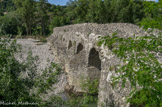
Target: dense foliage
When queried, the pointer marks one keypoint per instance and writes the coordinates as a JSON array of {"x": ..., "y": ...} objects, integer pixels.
[
  {"x": 32, "y": 17},
  {"x": 153, "y": 15},
  {"x": 142, "y": 68},
  {"x": 11, "y": 24},
  {"x": 18, "y": 79},
  {"x": 12, "y": 88},
  {"x": 38, "y": 17},
  {"x": 6, "y": 6}
]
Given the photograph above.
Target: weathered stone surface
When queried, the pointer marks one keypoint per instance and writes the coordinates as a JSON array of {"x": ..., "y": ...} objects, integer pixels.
[
  {"x": 75, "y": 47},
  {"x": 42, "y": 50}
]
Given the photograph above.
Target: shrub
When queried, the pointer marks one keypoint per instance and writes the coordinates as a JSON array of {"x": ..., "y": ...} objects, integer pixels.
[
  {"x": 142, "y": 68},
  {"x": 15, "y": 86},
  {"x": 10, "y": 24},
  {"x": 89, "y": 97}
]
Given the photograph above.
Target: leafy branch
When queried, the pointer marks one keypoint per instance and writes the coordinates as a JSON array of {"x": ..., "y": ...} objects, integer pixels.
[{"x": 141, "y": 67}]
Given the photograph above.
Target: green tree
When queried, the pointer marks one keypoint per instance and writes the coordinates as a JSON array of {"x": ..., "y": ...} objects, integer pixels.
[
  {"x": 105, "y": 11},
  {"x": 6, "y": 6},
  {"x": 71, "y": 5},
  {"x": 57, "y": 21},
  {"x": 43, "y": 16},
  {"x": 79, "y": 10},
  {"x": 127, "y": 11},
  {"x": 108, "y": 11},
  {"x": 1, "y": 13},
  {"x": 26, "y": 9},
  {"x": 153, "y": 15},
  {"x": 10, "y": 24},
  {"x": 96, "y": 11}
]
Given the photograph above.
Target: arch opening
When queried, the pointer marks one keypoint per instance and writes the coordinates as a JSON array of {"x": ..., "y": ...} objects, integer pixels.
[
  {"x": 70, "y": 44},
  {"x": 79, "y": 48},
  {"x": 93, "y": 59}
]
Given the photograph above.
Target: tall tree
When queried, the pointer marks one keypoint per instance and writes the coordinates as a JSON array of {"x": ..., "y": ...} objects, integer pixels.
[
  {"x": 152, "y": 15},
  {"x": 96, "y": 11},
  {"x": 79, "y": 10},
  {"x": 26, "y": 9},
  {"x": 108, "y": 11},
  {"x": 82, "y": 10},
  {"x": 128, "y": 11},
  {"x": 43, "y": 16},
  {"x": 71, "y": 5}
]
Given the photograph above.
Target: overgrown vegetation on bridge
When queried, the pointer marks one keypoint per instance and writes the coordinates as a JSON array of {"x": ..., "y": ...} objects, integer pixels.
[{"x": 142, "y": 68}]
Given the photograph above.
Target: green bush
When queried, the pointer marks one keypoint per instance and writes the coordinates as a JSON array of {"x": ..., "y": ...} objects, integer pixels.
[
  {"x": 151, "y": 23},
  {"x": 141, "y": 69},
  {"x": 153, "y": 16},
  {"x": 11, "y": 24},
  {"x": 48, "y": 78},
  {"x": 88, "y": 98},
  {"x": 15, "y": 86}
]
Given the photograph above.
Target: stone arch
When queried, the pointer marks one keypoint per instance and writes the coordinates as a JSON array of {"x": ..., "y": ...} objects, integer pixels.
[
  {"x": 70, "y": 44},
  {"x": 79, "y": 48},
  {"x": 93, "y": 59}
]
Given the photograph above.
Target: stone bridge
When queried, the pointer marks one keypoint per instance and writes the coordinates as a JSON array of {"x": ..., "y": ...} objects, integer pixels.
[{"x": 75, "y": 48}]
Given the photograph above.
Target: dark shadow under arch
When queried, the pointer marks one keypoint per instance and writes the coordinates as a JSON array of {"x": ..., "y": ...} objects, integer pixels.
[
  {"x": 79, "y": 48},
  {"x": 94, "y": 59},
  {"x": 70, "y": 44}
]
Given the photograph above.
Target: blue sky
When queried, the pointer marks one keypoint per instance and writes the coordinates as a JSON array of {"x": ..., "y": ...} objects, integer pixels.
[
  {"x": 63, "y": 2},
  {"x": 153, "y": 0},
  {"x": 58, "y": 2}
]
